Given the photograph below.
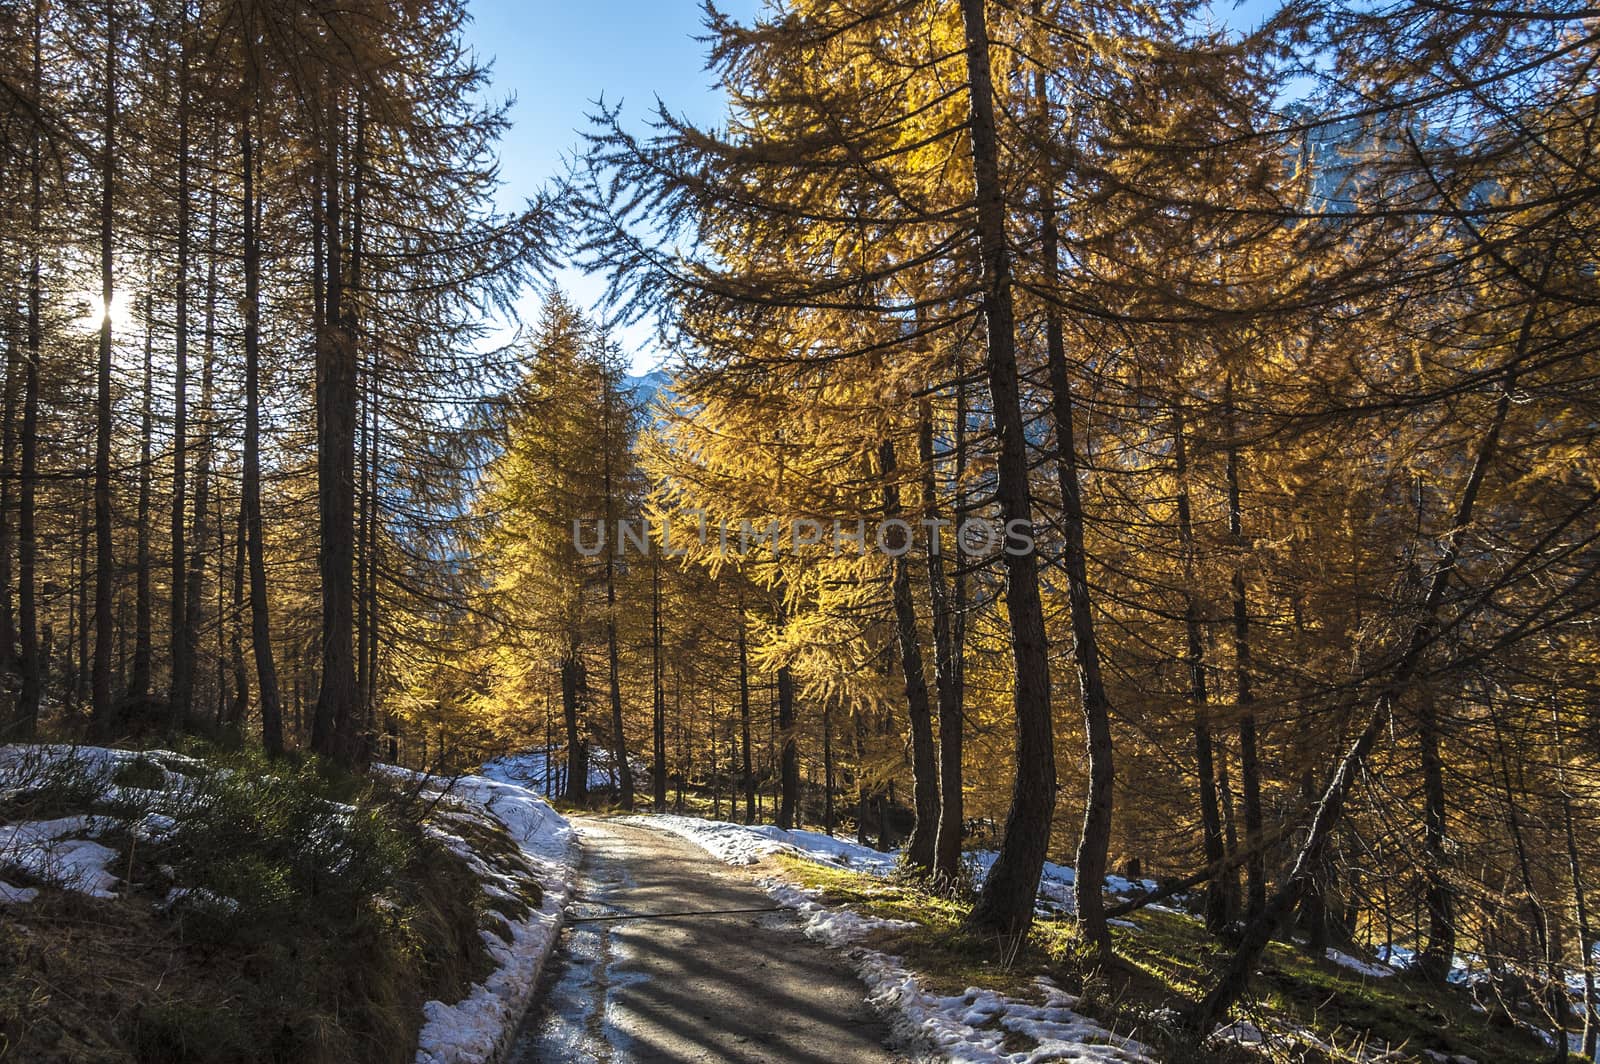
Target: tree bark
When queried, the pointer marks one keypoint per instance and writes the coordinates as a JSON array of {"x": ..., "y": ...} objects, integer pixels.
[
  {"x": 32, "y": 689},
  {"x": 103, "y": 711},
  {"x": 949, "y": 648},
  {"x": 333, "y": 724},
  {"x": 919, "y": 712},
  {"x": 658, "y": 693},
  {"x": 179, "y": 690},
  {"x": 139, "y": 682},
  {"x": 1249, "y": 757},
  {"x": 260, "y": 611},
  {"x": 577, "y": 789},
  {"x": 749, "y": 779},
  {"x": 1436, "y": 957},
  {"x": 1005, "y": 904},
  {"x": 1219, "y": 904},
  {"x": 1094, "y": 840},
  {"x": 186, "y": 663},
  {"x": 619, "y": 736}
]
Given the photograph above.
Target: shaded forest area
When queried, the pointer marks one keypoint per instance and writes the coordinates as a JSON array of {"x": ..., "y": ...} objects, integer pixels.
[{"x": 1281, "y": 349}]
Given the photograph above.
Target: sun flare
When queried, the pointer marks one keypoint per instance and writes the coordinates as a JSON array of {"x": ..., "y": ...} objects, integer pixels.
[{"x": 94, "y": 311}]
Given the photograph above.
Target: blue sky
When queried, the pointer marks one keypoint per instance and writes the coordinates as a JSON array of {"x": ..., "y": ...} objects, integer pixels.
[{"x": 558, "y": 58}]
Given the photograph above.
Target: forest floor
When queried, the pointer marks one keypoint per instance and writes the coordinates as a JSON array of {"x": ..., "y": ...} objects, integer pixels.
[{"x": 735, "y": 980}]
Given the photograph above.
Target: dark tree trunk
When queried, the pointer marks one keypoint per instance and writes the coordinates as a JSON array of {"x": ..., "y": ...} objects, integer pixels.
[
  {"x": 8, "y": 473},
  {"x": 186, "y": 663},
  {"x": 1094, "y": 841},
  {"x": 139, "y": 683},
  {"x": 260, "y": 612},
  {"x": 828, "y": 814},
  {"x": 749, "y": 777},
  {"x": 789, "y": 758},
  {"x": 1005, "y": 905},
  {"x": 577, "y": 752},
  {"x": 179, "y": 642},
  {"x": 241, "y": 678},
  {"x": 619, "y": 736},
  {"x": 949, "y": 649},
  {"x": 1219, "y": 902},
  {"x": 1249, "y": 758},
  {"x": 1586, "y": 938},
  {"x": 658, "y": 693},
  {"x": 1439, "y": 953},
  {"x": 105, "y": 574},
  {"x": 333, "y": 725},
  {"x": 919, "y": 711},
  {"x": 33, "y": 669}
]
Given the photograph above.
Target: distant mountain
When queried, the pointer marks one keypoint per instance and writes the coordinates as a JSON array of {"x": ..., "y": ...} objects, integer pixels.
[{"x": 647, "y": 388}]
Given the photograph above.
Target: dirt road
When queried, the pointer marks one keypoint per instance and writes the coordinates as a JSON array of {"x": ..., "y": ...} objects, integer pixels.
[{"x": 730, "y": 987}]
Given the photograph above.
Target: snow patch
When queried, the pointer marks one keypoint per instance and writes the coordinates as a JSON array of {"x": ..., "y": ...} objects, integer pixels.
[
  {"x": 476, "y": 1029},
  {"x": 741, "y": 844},
  {"x": 1356, "y": 964},
  {"x": 61, "y": 852},
  {"x": 968, "y": 1028}
]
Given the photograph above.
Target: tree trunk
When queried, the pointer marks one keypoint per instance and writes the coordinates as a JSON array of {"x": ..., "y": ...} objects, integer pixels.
[
  {"x": 1005, "y": 905},
  {"x": 827, "y": 768},
  {"x": 949, "y": 648},
  {"x": 658, "y": 692},
  {"x": 577, "y": 753},
  {"x": 1094, "y": 840},
  {"x": 1219, "y": 903},
  {"x": 1249, "y": 759},
  {"x": 619, "y": 737},
  {"x": 241, "y": 678},
  {"x": 186, "y": 664},
  {"x": 333, "y": 724},
  {"x": 1436, "y": 957},
  {"x": 8, "y": 472},
  {"x": 32, "y": 690},
  {"x": 749, "y": 776},
  {"x": 1586, "y": 939},
  {"x": 789, "y": 762},
  {"x": 789, "y": 752},
  {"x": 179, "y": 643},
  {"x": 139, "y": 683},
  {"x": 103, "y": 713},
  {"x": 260, "y": 611},
  {"x": 919, "y": 713}
]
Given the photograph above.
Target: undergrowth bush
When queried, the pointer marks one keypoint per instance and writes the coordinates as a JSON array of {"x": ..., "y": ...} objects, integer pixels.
[{"x": 271, "y": 911}]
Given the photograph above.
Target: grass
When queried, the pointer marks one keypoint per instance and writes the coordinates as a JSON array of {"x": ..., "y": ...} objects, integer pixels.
[
  {"x": 323, "y": 911},
  {"x": 1163, "y": 966}
]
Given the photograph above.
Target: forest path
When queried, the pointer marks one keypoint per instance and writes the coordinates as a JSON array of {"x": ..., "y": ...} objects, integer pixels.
[{"x": 719, "y": 986}]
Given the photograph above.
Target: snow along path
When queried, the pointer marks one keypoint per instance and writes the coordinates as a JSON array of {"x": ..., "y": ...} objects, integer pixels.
[
  {"x": 476, "y": 1029},
  {"x": 734, "y": 988}
]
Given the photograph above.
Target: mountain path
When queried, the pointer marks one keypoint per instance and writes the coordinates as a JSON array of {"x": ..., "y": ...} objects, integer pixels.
[{"x": 720, "y": 986}]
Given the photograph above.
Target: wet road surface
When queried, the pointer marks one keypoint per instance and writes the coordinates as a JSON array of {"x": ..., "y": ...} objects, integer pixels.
[{"x": 733, "y": 988}]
